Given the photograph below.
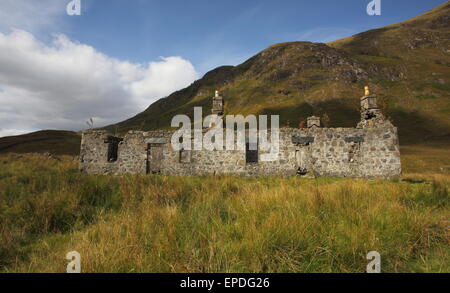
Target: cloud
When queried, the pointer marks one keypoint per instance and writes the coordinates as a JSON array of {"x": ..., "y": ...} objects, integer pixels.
[
  {"x": 61, "y": 85},
  {"x": 11, "y": 132},
  {"x": 171, "y": 73},
  {"x": 31, "y": 15}
]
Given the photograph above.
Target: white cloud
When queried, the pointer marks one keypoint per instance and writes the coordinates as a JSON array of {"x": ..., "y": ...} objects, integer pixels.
[
  {"x": 31, "y": 15},
  {"x": 170, "y": 73},
  {"x": 61, "y": 85},
  {"x": 11, "y": 132}
]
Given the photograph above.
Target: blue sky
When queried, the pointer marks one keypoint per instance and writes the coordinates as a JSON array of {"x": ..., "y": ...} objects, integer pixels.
[
  {"x": 119, "y": 56},
  {"x": 211, "y": 33}
]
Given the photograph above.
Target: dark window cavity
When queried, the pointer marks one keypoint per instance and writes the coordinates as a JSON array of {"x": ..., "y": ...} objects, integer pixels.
[
  {"x": 251, "y": 152},
  {"x": 113, "y": 148}
]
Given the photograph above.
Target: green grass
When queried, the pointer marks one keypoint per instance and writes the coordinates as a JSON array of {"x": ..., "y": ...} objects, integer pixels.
[
  {"x": 425, "y": 97},
  {"x": 435, "y": 85},
  {"x": 138, "y": 223}
]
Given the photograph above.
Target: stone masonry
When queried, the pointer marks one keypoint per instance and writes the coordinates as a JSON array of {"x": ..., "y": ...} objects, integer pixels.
[{"x": 371, "y": 150}]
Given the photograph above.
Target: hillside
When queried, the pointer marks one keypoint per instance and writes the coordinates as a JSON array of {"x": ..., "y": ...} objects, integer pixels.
[
  {"x": 407, "y": 65},
  {"x": 53, "y": 141}
]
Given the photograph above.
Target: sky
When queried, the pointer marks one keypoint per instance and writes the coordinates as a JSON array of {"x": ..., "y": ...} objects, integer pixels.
[{"x": 119, "y": 56}]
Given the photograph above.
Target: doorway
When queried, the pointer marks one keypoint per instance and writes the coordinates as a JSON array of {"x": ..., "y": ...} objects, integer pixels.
[{"x": 154, "y": 158}]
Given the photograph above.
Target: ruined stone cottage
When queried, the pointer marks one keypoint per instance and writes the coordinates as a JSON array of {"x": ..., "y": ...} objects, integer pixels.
[{"x": 369, "y": 150}]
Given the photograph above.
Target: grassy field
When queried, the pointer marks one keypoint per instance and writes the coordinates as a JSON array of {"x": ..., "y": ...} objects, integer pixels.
[{"x": 138, "y": 223}]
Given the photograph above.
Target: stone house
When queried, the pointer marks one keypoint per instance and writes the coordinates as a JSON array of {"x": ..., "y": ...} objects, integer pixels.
[{"x": 370, "y": 150}]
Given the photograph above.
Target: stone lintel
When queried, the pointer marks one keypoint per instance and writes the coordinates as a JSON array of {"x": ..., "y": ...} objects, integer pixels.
[
  {"x": 354, "y": 139},
  {"x": 302, "y": 140},
  {"x": 156, "y": 140},
  {"x": 368, "y": 97},
  {"x": 113, "y": 139}
]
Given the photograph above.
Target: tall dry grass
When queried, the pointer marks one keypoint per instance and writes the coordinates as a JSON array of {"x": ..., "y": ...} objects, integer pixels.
[{"x": 138, "y": 223}]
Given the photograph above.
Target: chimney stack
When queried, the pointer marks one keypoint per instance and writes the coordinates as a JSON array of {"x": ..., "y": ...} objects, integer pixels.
[{"x": 217, "y": 106}]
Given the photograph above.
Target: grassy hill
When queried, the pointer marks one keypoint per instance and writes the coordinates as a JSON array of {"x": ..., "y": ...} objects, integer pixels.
[
  {"x": 407, "y": 65},
  {"x": 56, "y": 142}
]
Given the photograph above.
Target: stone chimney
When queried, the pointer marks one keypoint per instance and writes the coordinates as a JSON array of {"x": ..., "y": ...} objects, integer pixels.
[
  {"x": 217, "y": 105},
  {"x": 313, "y": 121},
  {"x": 370, "y": 112},
  {"x": 368, "y": 101}
]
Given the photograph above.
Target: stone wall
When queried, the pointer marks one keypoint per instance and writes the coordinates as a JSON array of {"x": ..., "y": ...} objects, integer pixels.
[
  {"x": 94, "y": 153},
  {"x": 333, "y": 152}
]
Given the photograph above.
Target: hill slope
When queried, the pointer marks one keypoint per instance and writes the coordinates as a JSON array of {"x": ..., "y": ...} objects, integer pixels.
[
  {"x": 53, "y": 141},
  {"x": 407, "y": 65}
]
